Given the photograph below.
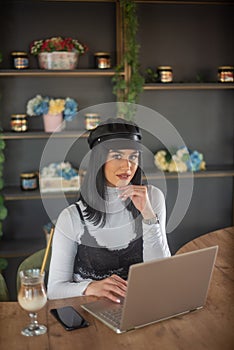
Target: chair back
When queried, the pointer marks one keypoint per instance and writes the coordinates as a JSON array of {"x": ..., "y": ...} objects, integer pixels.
[
  {"x": 4, "y": 294},
  {"x": 34, "y": 261}
]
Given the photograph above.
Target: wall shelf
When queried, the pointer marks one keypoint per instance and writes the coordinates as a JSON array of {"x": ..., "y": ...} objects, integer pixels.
[
  {"x": 20, "y": 248},
  {"x": 14, "y": 193},
  {"x": 57, "y": 73},
  {"x": 185, "y": 2},
  {"x": 170, "y": 2},
  {"x": 189, "y": 86},
  {"x": 8, "y": 135},
  {"x": 209, "y": 173}
]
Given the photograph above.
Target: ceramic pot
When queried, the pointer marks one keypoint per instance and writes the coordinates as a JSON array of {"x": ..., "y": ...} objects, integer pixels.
[
  {"x": 58, "y": 60},
  {"x": 53, "y": 122}
]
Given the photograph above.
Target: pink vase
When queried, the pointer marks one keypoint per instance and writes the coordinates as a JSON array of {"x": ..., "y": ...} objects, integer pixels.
[{"x": 53, "y": 122}]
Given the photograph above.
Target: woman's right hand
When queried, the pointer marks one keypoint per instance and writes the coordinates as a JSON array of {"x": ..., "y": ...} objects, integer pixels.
[{"x": 112, "y": 288}]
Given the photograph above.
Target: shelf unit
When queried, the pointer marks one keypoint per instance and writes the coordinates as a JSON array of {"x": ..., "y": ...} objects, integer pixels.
[
  {"x": 104, "y": 39},
  {"x": 195, "y": 38},
  {"x": 91, "y": 84}
]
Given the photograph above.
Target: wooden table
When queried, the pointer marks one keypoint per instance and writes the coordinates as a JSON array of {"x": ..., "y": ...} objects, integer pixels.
[{"x": 209, "y": 328}]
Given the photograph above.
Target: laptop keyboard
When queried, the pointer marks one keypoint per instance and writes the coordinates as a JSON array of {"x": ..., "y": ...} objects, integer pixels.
[{"x": 112, "y": 316}]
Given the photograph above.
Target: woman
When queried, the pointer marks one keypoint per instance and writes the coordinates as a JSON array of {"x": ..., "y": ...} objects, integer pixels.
[{"x": 115, "y": 223}]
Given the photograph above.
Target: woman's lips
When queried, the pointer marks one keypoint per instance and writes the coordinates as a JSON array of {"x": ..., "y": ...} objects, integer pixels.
[{"x": 123, "y": 176}]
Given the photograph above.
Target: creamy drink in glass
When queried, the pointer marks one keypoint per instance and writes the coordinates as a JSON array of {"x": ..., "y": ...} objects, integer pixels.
[{"x": 32, "y": 297}]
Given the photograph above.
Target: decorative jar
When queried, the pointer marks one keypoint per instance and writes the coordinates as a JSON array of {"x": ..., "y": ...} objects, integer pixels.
[
  {"x": 165, "y": 74},
  {"x": 226, "y": 74},
  {"x": 102, "y": 60},
  {"x": 29, "y": 181},
  {"x": 20, "y": 60},
  {"x": 92, "y": 120},
  {"x": 58, "y": 60},
  {"x": 19, "y": 122}
]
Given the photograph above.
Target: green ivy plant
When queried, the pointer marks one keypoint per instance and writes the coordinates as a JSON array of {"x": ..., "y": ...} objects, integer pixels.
[
  {"x": 3, "y": 264},
  {"x": 128, "y": 90},
  {"x": 151, "y": 75}
]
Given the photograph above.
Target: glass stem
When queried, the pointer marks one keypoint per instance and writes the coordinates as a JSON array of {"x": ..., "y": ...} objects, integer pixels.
[{"x": 33, "y": 318}]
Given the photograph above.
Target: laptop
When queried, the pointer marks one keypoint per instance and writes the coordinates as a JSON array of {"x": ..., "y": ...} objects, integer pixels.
[{"x": 158, "y": 290}]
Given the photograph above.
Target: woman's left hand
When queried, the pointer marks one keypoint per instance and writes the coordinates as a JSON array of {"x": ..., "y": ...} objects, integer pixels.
[{"x": 140, "y": 198}]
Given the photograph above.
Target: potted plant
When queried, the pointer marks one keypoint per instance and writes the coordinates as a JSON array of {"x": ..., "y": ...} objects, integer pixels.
[
  {"x": 54, "y": 111},
  {"x": 180, "y": 161},
  {"x": 57, "y": 52}
]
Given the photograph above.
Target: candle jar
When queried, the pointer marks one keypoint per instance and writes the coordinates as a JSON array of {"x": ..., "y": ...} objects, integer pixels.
[
  {"x": 102, "y": 60},
  {"x": 29, "y": 181},
  {"x": 92, "y": 120},
  {"x": 226, "y": 74},
  {"x": 20, "y": 60},
  {"x": 165, "y": 74},
  {"x": 19, "y": 122}
]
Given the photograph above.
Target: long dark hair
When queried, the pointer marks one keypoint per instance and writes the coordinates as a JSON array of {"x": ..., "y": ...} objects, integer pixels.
[{"x": 94, "y": 185}]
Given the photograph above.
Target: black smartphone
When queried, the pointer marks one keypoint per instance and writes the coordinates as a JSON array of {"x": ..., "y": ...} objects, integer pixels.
[{"x": 69, "y": 318}]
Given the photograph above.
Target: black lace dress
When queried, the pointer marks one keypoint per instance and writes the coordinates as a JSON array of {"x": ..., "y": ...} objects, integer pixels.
[{"x": 96, "y": 263}]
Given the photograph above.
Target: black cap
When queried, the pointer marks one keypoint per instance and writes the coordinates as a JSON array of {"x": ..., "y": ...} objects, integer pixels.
[{"x": 121, "y": 133}]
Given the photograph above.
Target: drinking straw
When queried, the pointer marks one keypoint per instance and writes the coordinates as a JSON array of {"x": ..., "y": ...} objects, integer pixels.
[{"x": 47, "y": 250}]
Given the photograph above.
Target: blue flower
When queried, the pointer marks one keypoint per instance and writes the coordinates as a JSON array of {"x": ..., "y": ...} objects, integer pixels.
[
  {"x": 67, "y": 173},
  {"x": 70, "y": 110},
  {"x": 42, "y": 107},
  {"x": 195, "y": 161}
]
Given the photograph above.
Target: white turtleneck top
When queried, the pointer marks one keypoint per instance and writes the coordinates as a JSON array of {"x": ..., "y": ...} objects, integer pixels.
[{"x": 117, "y": 233}]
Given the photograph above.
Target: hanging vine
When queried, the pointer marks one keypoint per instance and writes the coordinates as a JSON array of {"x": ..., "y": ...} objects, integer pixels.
[{"x": 128, "y": 89}]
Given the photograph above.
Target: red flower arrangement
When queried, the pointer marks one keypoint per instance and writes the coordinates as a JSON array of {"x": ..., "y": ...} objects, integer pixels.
[{"x": 57, "y": 44}]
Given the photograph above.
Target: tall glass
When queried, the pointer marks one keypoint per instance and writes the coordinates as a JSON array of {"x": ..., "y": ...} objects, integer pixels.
[{"x": 32, "y": 297}]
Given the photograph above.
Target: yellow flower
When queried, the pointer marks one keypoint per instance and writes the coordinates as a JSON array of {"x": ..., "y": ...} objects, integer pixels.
[
  {"x": 56, "y": 106},
  {"x": 172, "y": 167},
  {"x": 203, "y": 165},
  {"x": 160, "y": 160}
]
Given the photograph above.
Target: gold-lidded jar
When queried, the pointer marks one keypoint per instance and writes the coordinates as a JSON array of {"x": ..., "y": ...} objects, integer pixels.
[
  {"x": 92, "y": 120},
  {"x": 226, "y": 74},
  {"x": 19, "y": 122},
  {"x": 20, "y": 60},
  {"x": 102, "y": 60},
  {"x": 29, "y": 181},
  {"x": 165, "y": 74}
]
